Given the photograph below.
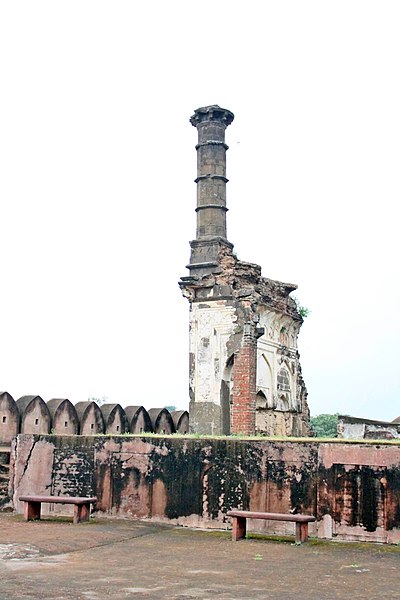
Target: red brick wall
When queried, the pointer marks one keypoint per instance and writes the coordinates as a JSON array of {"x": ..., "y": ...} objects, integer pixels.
[{"x": 243, "y": 414}]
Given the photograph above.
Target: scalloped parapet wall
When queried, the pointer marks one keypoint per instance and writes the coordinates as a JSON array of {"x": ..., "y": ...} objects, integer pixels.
[{"x": 31, "y": 414}]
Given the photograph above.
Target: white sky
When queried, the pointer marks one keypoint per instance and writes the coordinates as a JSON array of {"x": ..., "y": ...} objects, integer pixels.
[{"x": 97, "y": 200}]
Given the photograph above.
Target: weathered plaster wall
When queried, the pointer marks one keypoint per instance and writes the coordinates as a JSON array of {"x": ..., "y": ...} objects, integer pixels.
[
  {"x": 353, "y": 489},
  {"x": 211, "y": 326}
]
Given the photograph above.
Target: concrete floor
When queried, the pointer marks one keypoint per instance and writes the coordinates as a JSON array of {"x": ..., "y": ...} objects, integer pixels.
[{"x": 53, "y": 559}]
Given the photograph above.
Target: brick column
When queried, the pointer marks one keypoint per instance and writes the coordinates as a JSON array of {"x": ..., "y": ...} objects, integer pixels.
[{"x": 243, "y": 414}]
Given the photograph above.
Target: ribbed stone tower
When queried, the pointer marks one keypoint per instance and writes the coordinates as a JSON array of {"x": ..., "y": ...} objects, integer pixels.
[
  {"x": 211, "y": 122},
  {"x": 244, "y": 373}
]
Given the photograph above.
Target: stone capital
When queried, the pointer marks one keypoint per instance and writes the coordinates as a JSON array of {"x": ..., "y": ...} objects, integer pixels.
[{"x": 213, "y": 113}]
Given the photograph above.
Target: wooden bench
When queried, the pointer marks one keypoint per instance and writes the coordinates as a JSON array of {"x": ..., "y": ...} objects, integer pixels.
[
  {"x": 240, "y": 516},
  {"x": 33, "y": 504}
]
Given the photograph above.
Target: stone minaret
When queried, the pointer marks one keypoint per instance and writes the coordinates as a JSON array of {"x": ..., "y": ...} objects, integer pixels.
[
  {"x": 211, "y": 122},
  {"x": 244, "y": 373}
]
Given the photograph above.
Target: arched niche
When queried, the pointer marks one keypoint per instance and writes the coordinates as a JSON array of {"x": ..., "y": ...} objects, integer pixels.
[
  {"x": 284, "y": 389},
  {"x": 225, "y": 395},
  {"x": 264, "y": 377},
  {"x": 284, "y": 402},
  {"x": 261, "y": 400}
]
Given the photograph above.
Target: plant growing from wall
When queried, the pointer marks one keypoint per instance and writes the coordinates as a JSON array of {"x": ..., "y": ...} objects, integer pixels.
[{"x": 302, "y": 310}]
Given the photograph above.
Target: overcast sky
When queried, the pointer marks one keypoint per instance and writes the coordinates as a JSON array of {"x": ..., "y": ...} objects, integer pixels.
[{"x": 98, "y": 199}]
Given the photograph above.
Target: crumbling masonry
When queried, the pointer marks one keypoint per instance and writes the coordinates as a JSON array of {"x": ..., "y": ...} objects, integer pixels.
[{"x": 245, "y": 374}]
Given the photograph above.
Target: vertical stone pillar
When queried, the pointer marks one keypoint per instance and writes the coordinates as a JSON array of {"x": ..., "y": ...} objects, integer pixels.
[
  {"x": 243, "y": 415},
  {"x": 211, "y": 123}
]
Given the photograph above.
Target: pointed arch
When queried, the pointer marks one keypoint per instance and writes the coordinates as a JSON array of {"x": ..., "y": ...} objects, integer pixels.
[
  {"x": 261, "y": 400},
  {"x": 284, "y": 402},
  {"x": 284, "y": 388},
  {"x": 264, "y": 377},
  {"x": 225, "y": 395}
]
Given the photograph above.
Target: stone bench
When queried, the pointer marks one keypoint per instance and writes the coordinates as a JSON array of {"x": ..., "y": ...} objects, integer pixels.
[
  {"x": 33, "y": 504},
  {"x": 240, "y": 517}
]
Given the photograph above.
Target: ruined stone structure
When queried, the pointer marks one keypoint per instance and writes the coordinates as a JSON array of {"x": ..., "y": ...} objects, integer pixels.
[
  {"x": 367, "y": 429},
  {"x": 245, "y": 374}
]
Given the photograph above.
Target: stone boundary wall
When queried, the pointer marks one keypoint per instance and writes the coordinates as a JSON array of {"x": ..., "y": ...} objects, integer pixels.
[{"x": 352, "y": 488}]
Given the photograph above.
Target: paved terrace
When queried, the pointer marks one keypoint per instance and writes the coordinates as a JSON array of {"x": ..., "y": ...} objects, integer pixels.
[{"x": 130, "y": 559}]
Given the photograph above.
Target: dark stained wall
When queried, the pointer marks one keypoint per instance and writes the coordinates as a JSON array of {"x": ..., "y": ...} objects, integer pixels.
[{"x": 353, "y": 489}]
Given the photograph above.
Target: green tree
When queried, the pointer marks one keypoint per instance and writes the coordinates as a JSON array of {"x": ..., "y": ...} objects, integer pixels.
[
  {"x": 171, "y": 408},
  {"x": 325, "y": 425},
  {"x": 99, "y": 401}
]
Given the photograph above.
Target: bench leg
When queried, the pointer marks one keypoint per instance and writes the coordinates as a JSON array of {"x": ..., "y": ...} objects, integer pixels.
[
  {"x": 32, "y": 511},
  {"x": 81, "y": 513},
  {"x": 301, "y": 533},
  {"x": 238, "y": 528}
]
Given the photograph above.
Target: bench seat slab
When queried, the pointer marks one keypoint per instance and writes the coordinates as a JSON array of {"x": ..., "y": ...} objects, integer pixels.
[
  {"x": 32, "y": 506},
  {"x": 59, "y": 499},
  {"x": 239, "y": 521},
  {"x": 295, "y": 518}
]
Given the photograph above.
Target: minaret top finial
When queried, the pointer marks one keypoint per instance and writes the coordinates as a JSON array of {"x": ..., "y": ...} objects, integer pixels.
[{"x": 212, "y": 113}]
